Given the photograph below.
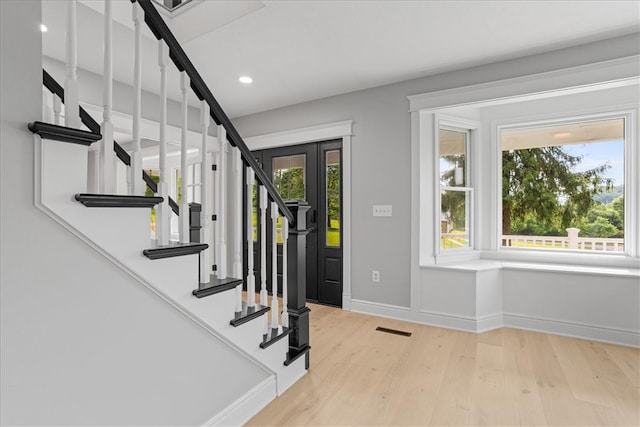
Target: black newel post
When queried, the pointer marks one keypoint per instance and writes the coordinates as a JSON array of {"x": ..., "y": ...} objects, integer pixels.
[{"x": 297, "y": 283}]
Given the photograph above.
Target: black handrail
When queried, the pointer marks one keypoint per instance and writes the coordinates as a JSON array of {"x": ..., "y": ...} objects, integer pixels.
[
  {"x": 160, "y": 30},
  {"x": 54, "y": 87}
]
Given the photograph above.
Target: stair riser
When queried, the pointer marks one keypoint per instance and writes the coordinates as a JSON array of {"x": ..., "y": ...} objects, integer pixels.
[{"x": 64, "y": 170}]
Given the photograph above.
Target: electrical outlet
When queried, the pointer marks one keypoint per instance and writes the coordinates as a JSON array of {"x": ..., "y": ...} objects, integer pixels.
[
  {"x": 382, "y": 210},
  {"x": 375, "y": 276}
]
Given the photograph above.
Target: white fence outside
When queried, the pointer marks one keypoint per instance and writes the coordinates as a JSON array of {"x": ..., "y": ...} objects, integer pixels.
[{"x": 596, "y": 244}]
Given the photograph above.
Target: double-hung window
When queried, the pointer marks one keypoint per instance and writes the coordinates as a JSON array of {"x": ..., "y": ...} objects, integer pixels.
[{"x": 455, "y": 207}]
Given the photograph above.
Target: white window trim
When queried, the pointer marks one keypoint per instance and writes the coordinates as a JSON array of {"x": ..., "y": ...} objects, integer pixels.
[
  {"x": 471, "y": 128},
  {"x": 424, "y": 107}
]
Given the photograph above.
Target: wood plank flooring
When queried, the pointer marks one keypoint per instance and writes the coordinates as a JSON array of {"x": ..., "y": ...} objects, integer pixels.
[{"x": 507, "y": 377}]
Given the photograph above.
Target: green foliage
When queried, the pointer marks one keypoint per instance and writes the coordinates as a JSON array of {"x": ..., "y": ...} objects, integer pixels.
[
  {"x": 608, "y": 196},
  {"x": 290, "y": 183},
  {"x": 147, "y": 191},
  {"x": 540, "y": 184},
  {"x": 454, "y": 209},
  {"x": 453, "y": 203},
  {"x": 333, "y": 193},
  {"x": 601, "y": 227}
]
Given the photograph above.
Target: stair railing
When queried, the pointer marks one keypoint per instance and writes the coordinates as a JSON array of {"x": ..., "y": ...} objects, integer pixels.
[
  {"x": 295, "y": 322},
  {"x": 298, "y": 314},
  {"x": 90, "y": 123}
]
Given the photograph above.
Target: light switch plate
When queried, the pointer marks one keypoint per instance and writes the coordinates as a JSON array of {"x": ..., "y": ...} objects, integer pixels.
[{"x": 382, "y": 210}]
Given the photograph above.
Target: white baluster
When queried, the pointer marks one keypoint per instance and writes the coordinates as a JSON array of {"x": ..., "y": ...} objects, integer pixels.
[
  {"x": 237, "y": 223},
  {"x": 47, "y": 106},
  {"x": 275, "y": 311},
  {"x": 57, "y": 110},
  {"x": 107, "y": 158},
  {"x": 285, "y": 275},
  {"x": 71, "y": 96},
  {"x": 205, "y": 219},
  {"x": 183, "y": 217},
  {"x": 263, "y": 246},
  {"x": 163, "y": 215},
  {"x": 136, "y": 183},
  {"x": 251, "y": 279},
  {"x": 221, "y": 214},
  {"x": 237, "y": 219}
]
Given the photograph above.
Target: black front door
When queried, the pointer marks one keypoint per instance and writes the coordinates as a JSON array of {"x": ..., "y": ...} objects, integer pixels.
[{"x": 310, "y": 172}]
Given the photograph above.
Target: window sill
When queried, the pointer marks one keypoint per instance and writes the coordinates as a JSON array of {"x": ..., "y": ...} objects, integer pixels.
[
  {"x": 573, "y": 269},
  {"x": 572, "y": 263},
  {"x": 576, "y": 259}
]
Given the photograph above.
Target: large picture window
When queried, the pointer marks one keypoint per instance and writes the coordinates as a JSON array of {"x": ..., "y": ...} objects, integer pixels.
[{"x": 563, "y": 186}]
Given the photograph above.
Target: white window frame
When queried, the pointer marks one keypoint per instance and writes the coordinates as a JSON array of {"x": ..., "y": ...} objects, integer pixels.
[
  {"x": 424, "y": 107},
  {"x": 471, "y": 129},
  {"x": 631, "y": 187}
]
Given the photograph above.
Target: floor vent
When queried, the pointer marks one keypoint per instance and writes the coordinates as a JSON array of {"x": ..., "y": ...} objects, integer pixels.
[{"x": 393, "y": 331}]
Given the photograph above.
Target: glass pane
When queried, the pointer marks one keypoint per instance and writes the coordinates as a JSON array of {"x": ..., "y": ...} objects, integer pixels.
[
  {"x": 254, "y": 210},
  {"x": 563, "y": 186},
  {"x": 289, "y": 176},
  {"x": 333, "y": 208},
  {"x": 178, "y": 186},
  {"x": 453, "y": 146},
  {"x": 454, "y": 219},
  {"x": 279, "y": 238}
]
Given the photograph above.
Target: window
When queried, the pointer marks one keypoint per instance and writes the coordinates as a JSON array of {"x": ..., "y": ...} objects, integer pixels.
[
  {"x": 563, "y": 186},
  {"x": 455, "y": 189},
  {"x": 333, "y": 197},
  {"x": 192, "y": 184},
  {"x": 289, "y": 176}
]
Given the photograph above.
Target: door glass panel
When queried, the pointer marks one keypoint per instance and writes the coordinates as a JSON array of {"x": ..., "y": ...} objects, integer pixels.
[
  {"x": 333, "y": 208},
  {"x": 453, "y": 158},
  {"x": 289, "y": 176}
]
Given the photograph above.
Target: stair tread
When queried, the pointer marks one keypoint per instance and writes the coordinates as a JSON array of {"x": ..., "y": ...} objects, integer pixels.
[
  {"x": 216, "y": 286},
  {"x": 63, "y": 133},
  {"x": 117, "y": 200},
  {"x": 274, "y": 335},
  {"x": 174, "y": 249},
  {"x": 248, "y": 313}
]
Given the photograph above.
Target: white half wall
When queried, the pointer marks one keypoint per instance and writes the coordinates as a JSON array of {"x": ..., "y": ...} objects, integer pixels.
[{"x": 593, "y": 306}]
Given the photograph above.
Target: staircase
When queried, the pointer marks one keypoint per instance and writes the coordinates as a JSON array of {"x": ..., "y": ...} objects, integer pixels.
[{"x": 77, "y": 182}]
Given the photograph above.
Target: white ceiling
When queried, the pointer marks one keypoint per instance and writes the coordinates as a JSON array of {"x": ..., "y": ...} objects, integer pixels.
[{"x": 303, "y": 50}]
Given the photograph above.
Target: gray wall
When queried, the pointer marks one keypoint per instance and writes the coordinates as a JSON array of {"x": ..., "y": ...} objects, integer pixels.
[
  {"x": 80, "y": 341},
  {"x": 381, "y": 154}
]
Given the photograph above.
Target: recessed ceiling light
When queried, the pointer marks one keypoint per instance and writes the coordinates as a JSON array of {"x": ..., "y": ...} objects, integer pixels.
[
  {"x": 43, "y": 28},
  {"x": 245, "y": 80}
]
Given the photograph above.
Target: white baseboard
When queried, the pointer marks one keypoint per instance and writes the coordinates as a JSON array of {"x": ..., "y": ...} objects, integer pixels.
[
  {"x": 289, "y": 375},
  {"x": 572, "y": 329},
  {"x": 495, "y": 321},
  {"x": 346, "y": 302},
  {"x": 243, "y": 409},
  {"x": 460, "y": 323},
  {"x": 381, "y": 310}
]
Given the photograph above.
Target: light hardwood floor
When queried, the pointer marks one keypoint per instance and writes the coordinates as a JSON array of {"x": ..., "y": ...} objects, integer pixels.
[{"x": 507, "y": 377}]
